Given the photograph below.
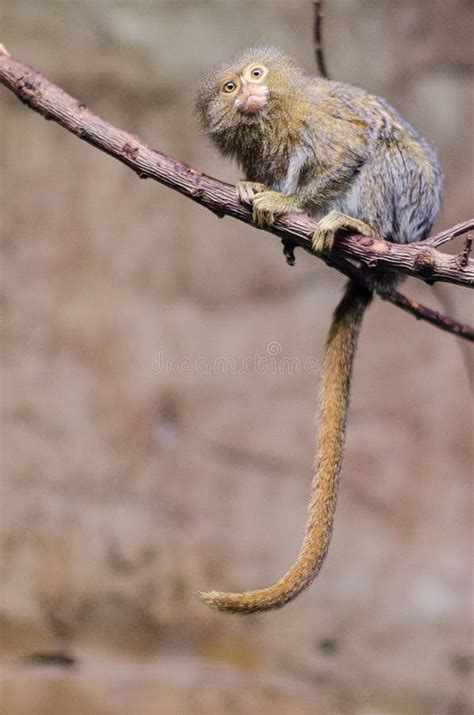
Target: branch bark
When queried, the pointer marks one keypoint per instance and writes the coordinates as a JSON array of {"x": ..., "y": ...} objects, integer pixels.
[{"x": 421, "y": 260}]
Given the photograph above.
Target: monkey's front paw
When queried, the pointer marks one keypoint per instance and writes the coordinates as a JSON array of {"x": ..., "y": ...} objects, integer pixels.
[
  {"x": 268, "y": 206},
  {"x": 323, "y": 239},
  {"x": 248, "y": 190},
  {"x": 322, "y": 242}
]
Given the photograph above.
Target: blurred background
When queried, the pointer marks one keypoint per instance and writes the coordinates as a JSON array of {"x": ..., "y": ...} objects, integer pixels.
[{"x": 132, "y": 479}]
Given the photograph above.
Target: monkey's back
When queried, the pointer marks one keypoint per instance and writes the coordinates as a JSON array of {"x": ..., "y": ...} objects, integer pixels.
[{"x": 397, "y": 188}]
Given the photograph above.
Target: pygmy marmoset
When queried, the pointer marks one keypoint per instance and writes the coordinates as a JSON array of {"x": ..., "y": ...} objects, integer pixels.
[{"x": 347, "y": 158}]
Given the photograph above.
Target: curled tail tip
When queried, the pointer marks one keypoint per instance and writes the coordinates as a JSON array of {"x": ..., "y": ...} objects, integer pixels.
[
  {"x": 226, "y": 602},
  {"x": 213, "y": 599}
]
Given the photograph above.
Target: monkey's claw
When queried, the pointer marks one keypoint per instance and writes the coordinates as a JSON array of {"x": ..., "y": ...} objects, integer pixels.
[
  {"x": 269, "y": 205},
  {"x": 328, "y": 227},
  {"x": 247, "y": 190},
  {"x": 322, "y": 242}
]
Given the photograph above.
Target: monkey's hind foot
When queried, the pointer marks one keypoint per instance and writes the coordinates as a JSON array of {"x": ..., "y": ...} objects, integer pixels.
[
  {"x": 247, "y": 190},
  {"x": 328, "y": 227}
]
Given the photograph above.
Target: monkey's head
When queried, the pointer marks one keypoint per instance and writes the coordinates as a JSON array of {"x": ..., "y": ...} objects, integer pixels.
[{"x": 252, "y": 90}]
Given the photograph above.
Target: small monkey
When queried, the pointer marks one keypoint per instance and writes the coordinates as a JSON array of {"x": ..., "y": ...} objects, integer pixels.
[{"x": 347, "y": 158}]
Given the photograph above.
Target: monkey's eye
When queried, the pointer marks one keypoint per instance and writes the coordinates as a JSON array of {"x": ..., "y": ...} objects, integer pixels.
[
  {"x": 256, "y": 73},
  {"x": 229, "y": 87}
]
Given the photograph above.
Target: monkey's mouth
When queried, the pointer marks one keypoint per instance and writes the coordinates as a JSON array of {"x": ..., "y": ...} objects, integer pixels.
[{"x": 251, "y": 98}]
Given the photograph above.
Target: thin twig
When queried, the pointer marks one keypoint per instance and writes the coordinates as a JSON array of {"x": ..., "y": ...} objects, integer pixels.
[
  {"x": 422, "y": 312},
  {"x": 318, "y": 17},
  {"x": 450, "y": 233},
  {"x": 420, "y": 260}
]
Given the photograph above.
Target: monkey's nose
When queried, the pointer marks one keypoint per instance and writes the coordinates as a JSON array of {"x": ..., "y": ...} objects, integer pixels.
[{"x": 251, "y": 98}]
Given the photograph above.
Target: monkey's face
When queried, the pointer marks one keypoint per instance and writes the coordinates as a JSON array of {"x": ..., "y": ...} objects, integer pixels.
[{"x": 247, "y": 92}]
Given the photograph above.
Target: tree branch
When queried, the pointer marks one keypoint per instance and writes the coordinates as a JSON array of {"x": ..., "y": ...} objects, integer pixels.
[
  {"x": 318, "y": 16},
  {"x": 422, "y": 312},
  {"x": 420, "y": 260}
]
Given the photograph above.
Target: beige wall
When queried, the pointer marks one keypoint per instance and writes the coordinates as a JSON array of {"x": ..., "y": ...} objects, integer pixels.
[{"x": 128, "y": 487}]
